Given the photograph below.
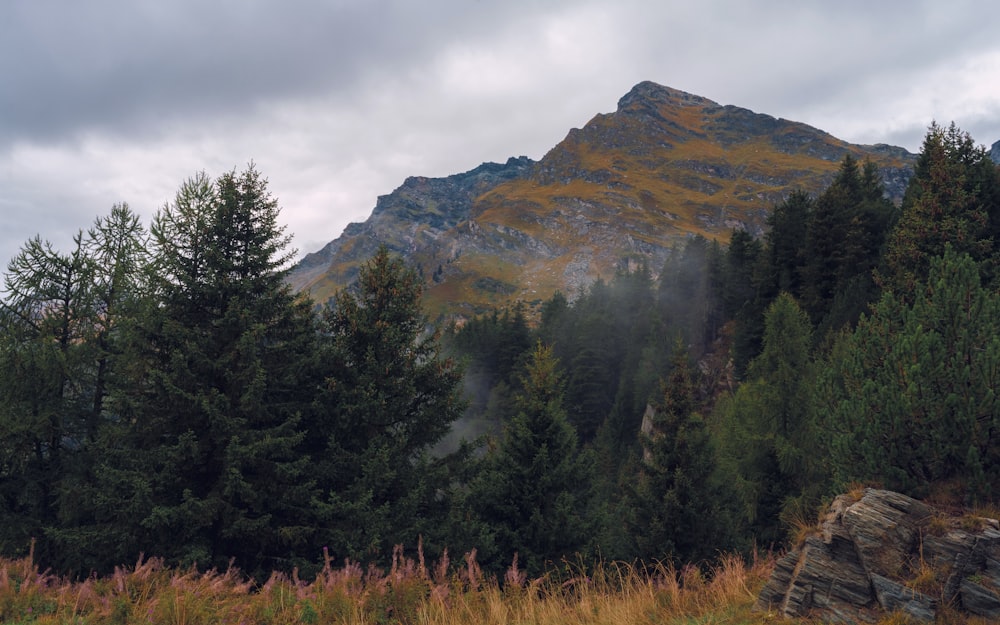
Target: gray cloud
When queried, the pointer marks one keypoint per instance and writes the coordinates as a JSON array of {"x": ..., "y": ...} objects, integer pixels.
[
  {"x": 338, "y": 100},
  {"x": 119, "y": 64}
]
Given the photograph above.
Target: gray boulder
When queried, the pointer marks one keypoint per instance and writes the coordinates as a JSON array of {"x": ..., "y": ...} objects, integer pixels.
[{"x": 886, "y": 552}]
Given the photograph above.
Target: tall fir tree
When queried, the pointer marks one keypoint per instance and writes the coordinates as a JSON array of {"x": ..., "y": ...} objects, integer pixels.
[
  {"x": 953, "y": 198},
  {"x": 826, "y": 236},
  {"x": 767, "y": 426},
  {"x": 673, "y": 503},
  {"x": 215, "y": 405},
  {"x": 387, "y": 398},
  {"x": 689, "y": 303},
  {"x": 846, "y": 229},
  {"x": 741, "y": 300},
  {"x": 89, "y": 533},
  {"x": 65, "y": 316},
  {"x": 532, "y": 497},
  {"x": 786, "y": 245}
]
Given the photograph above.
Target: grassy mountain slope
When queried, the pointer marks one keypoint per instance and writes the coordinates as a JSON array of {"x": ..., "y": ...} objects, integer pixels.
[{"x": 623, "y": 189}]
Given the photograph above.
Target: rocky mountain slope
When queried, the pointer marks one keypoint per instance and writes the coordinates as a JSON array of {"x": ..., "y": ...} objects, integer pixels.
[{"x": 624, "y": 189}]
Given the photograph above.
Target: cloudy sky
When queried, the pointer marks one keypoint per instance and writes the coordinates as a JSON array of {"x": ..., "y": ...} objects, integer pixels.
[{"x": 338, "y": 101}]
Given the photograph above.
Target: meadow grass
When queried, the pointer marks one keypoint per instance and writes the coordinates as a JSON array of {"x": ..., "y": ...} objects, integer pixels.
[{"x": 408, "y": 592}]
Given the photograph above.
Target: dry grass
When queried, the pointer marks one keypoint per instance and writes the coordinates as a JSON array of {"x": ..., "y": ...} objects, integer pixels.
[
  {"x": 938, "y": 525},
  {"x": 408, "y": 592},
  {"x": 800, "y": 527},
  {"x": 855, "y": 491},
  {"x": 613, "y": 593}
]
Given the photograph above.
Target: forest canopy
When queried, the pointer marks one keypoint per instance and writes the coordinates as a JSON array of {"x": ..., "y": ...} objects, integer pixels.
[{"x": 164, "y": 391}]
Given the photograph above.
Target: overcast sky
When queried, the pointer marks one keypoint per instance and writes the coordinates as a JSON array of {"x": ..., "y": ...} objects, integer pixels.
[{"x": 338, "y": 101}]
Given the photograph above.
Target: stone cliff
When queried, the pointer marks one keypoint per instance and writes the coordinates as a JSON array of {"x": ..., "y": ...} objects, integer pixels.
[{"x": 885, "y": 552}]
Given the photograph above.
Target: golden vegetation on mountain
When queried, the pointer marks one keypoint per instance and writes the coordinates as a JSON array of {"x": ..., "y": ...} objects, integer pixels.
[{"x": 625, "y": 189}]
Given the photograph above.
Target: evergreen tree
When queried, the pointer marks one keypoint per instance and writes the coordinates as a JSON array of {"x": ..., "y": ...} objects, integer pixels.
[
  {"x": 826, "y": 235},
  {"x": 90, "y": 532},
  {"x": 912, "y": 391},
  {"x": 740, "y": 265},
  {"x": 214, "y": 407},
  {"x": 590, "y": 391},
  {"x": 532, "y": 497},
  {"x": 389, "y": 396},
  {"x": 514, "y": 342},
  {"x": 686, "y": 296},
  {"x": 741, "y": 302},
  {"x": 118, "y": 245},
  {"x": 786, "y": 245},
  {"x": 953, "y": 198},
  {"x": 846, "y": 230},
  {"x": 46, "y": 395},
  {"x": 673, "y": 502},
  {"x": 768, "y": 432},
  {"x": 553, "y": 316},
  {"x": 592, "y": 346},
  {"x": 492, "y": 348},
  {"x": 64, "y": 318}
]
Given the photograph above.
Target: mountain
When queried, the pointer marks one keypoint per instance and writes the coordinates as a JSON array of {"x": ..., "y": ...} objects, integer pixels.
[{"x": 624, "y": 189}]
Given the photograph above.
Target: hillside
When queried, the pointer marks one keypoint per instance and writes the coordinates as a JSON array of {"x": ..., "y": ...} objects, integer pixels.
[{"x": 623, "y": 189}]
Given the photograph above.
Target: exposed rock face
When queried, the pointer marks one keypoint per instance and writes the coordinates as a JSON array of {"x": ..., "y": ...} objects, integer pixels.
[
  {"x": 626, "y": 188},
  {"x": 411, "y": 217},
  {"x": 888, "y": 553}
]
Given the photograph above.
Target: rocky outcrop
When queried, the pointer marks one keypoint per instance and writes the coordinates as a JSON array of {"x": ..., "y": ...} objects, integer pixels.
[{"x": 887, "y": 552}]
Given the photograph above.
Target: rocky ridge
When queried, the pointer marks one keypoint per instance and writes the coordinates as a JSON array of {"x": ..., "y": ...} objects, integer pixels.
[
  {"x": 886, "y": 552},
  {"x": 624, "y": 189},
  {"x": 412, "y": 217}
]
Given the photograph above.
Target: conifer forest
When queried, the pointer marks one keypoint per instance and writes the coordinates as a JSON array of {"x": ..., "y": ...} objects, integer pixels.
[{"x": 164, "y": 391}]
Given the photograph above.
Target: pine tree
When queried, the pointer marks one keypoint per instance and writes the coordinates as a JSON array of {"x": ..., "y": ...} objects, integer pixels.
[
  {"x": 590, "y": 391},
  {"x": 514, "y": 341},
  {"x": 953, "y": 198},
  {"x": 47, "y": 384},
  {"x": 89, "y": 535},
  {"x": 686, "y": 296},
  {"x": 389, "y": 396},
  {"x": 768, "y": 429},
  {"x": 216, "y": 401},
  {"x": 786, "y": 245},
  {"x": 828, "y": 230},
  {"x": 673, "y": 502},
  {"x": 846, "y": 230},
  {"x": 553, "y": 317},
  {"x": 742, "y": 300},
  {"x": 533, "y": 496},
  {"x": 64, "y": 322},
  {"x": 912, "y": 391},
  {"x": 592, "y": 345}
]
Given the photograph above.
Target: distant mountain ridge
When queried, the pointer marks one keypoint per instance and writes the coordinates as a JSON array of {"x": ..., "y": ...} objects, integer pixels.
[
  {"x": 414, "y": 215},
  {"x": 622, "y": 190}
]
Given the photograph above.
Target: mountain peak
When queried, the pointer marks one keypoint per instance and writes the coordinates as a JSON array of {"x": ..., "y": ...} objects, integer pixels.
[
  {"x": 648, "y": 93},
  {"x": 623, "y": 190}
]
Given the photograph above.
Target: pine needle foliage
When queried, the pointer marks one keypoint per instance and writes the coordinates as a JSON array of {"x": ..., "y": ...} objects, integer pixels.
[{"x": 387, "y": 397}]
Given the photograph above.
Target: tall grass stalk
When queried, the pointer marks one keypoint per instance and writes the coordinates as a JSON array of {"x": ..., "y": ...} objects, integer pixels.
[{"x": 409, "y": 592}]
